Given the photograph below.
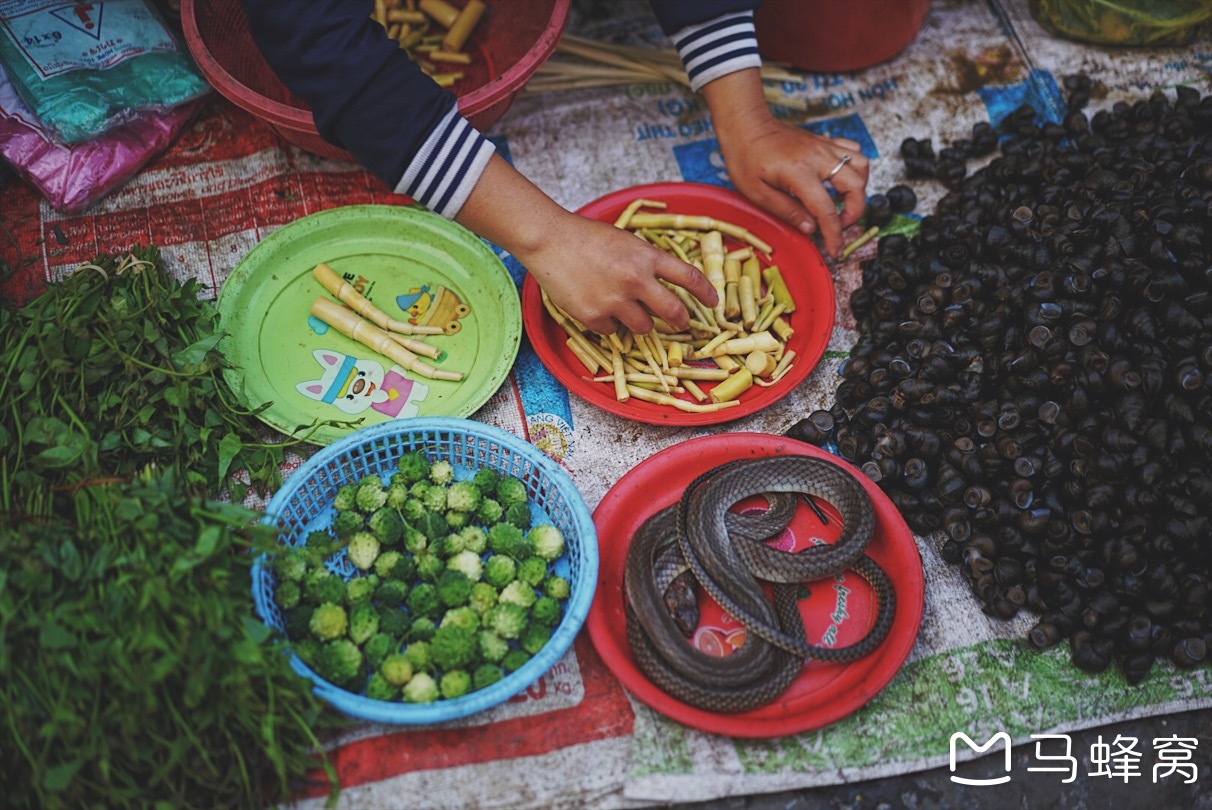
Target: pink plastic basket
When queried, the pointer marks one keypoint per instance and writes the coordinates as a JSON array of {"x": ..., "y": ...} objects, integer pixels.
[{"x": 513, "y": 39}]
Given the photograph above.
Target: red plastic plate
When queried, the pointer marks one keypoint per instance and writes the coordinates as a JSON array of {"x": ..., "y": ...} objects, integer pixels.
[
  {"x": 804, "y": 271},
  {"x": 823, "y": 693}
]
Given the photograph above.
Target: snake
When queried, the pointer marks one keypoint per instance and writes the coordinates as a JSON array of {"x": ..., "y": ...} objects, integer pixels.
[{"x": 726, "y": 555}]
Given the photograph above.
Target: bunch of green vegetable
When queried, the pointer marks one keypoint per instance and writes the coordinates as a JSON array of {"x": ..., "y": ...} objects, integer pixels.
[
  {"x": 132, "y": 670},
  {"x": 132, "y": 673},
  {"x": 115, "y": 367},
  {"x": 453, "y": 588}
]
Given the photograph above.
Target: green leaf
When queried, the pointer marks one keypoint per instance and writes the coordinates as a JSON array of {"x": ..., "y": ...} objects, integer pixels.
[
  {"x": 196, "y": 352},
  {"x": 69, "y": 561},
  {"x": 177, "y": 395},
  {"x": 60, "y": 776},
  {"x": 208, "y": 540},
  {"x": 45, "y": 430},
  {"x": 66, "y": 454},
  {"x": 54, "y": 636},
  {"x": 229, "y": 448}
]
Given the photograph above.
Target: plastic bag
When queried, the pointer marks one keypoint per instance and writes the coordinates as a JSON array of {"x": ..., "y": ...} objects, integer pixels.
[
  {"x": 1124, "y": 22},
  {"x": 84, "y": 68},
  {"x": 73, "y": 177}
]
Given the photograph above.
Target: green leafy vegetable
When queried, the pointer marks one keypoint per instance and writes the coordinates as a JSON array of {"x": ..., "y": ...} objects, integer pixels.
[{"x": 132, "y": 672}]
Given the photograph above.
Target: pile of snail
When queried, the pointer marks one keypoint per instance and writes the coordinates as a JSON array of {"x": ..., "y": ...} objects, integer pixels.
[{"x": 1032, "y": 381}]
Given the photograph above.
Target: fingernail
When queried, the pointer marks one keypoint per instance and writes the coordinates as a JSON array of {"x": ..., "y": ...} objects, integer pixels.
[{"x": 806, "y": 228}]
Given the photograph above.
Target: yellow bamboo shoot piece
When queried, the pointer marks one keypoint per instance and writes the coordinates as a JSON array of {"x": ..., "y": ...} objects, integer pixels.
[
  {"x": 763, "y": 323},
  {"x": 658, "y": 348},
  {"x": 651, "y": 386},
  {"x": 699, "y": 223},
  {"x": 380, "y": 13},
  {"x": 765, "y": 309},
  {"x": 650, "y": 358},
  {"x": 450, "y": 57},
  {"x": 641, "y": 377},
  {"x": 752, "y": 267},
  {"x": 784, "y": 363},
  {"x": 587, "y": 360},
  {"x": 778, "y": 288},
  {"x": 757, "y": 342},
  {"x": 462, "y": 26},
  {"x": 732, "y": 387},
  {"x": 360, "y": 304},
  {"x": 372, "y": 337},
  {"x": 399, "y": 15},
  {"x": 709, "y": 350},
  {"x": 747, "y": 302},
  {"x": 585, "y": 344},
  {"x": 760, "y": 364},
  {"x": 658, "y": 398},
  {"x": 673, "y": 354},
  {"x": 620, "y": 379},
  {"x": 740, "y": 254},
  {"x": 699, "y": 373},
  {"x": 624, "y": 218},
  {"x": 416, "y": 346},
  {"x": 726, "y": 363},
  {"x": 732, "y": 274},
  {"x": 441, "y": 12},
  {"x": 694, "y": 391},
  {"x": 784, "y": 366},
  {"x": 866, "y": 237},
  {"x": 782, "y": 328},
  {"x": 713, "y": 267}
]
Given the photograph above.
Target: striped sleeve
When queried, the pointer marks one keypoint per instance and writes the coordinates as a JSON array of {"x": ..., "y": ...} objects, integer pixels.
[
  {"x": 339, "y": 61},
  {"x": 447, "y": 167},
  {"x": 718, "y": 47}
]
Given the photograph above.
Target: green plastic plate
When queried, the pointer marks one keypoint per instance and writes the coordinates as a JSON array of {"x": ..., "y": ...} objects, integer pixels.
[{"x": 411, "y": 263}]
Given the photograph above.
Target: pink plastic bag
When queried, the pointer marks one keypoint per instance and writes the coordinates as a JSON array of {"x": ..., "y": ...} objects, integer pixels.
[{"x": 73, "y": 177}]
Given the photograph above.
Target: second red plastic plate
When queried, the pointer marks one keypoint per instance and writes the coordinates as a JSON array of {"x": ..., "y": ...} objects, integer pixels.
[{"x": 841, "y": 608}]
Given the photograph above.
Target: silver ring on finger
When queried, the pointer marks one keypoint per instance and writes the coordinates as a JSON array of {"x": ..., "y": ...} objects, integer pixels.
[{"x": 840, "y": 165}]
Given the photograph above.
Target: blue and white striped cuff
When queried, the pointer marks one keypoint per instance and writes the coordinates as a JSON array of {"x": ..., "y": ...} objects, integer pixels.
[
  {"x": 447, "y": 167},
  {"x": 719, "y": 47}
]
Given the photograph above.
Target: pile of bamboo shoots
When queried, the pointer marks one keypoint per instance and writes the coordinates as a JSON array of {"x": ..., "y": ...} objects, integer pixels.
[
  {"x": 410, "y": 22},
  {"x": 587, "y": 63},
  {"x": 361, "y": 321},
  {"x": 728, "y": 349}
]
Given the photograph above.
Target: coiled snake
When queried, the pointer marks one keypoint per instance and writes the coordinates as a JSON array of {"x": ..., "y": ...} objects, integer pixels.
[{"x": 727, "y": 557}]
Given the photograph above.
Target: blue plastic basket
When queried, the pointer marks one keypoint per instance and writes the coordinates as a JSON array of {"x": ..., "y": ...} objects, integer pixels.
[{"x": 304, "y": 504}]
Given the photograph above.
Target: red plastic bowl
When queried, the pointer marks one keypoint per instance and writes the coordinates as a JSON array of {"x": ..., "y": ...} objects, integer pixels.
[
  {"x": 836, "y": 36},
  {"x": 509, "y": 44}
]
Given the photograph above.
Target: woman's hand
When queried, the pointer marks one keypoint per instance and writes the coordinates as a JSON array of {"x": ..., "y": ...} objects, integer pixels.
[
  {"x": 604, "y": 276},
  {"x": 784, "y": 168},
  {"x": 599, "y": 274}
]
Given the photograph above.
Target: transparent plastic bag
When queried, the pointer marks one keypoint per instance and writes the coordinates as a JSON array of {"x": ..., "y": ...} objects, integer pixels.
[
  {"x": 85, "y": 68},
  {"x": 1125, "y": 22}
]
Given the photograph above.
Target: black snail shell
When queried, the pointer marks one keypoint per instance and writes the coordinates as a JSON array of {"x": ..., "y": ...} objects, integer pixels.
[{"x": 1032, "y": 377}]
